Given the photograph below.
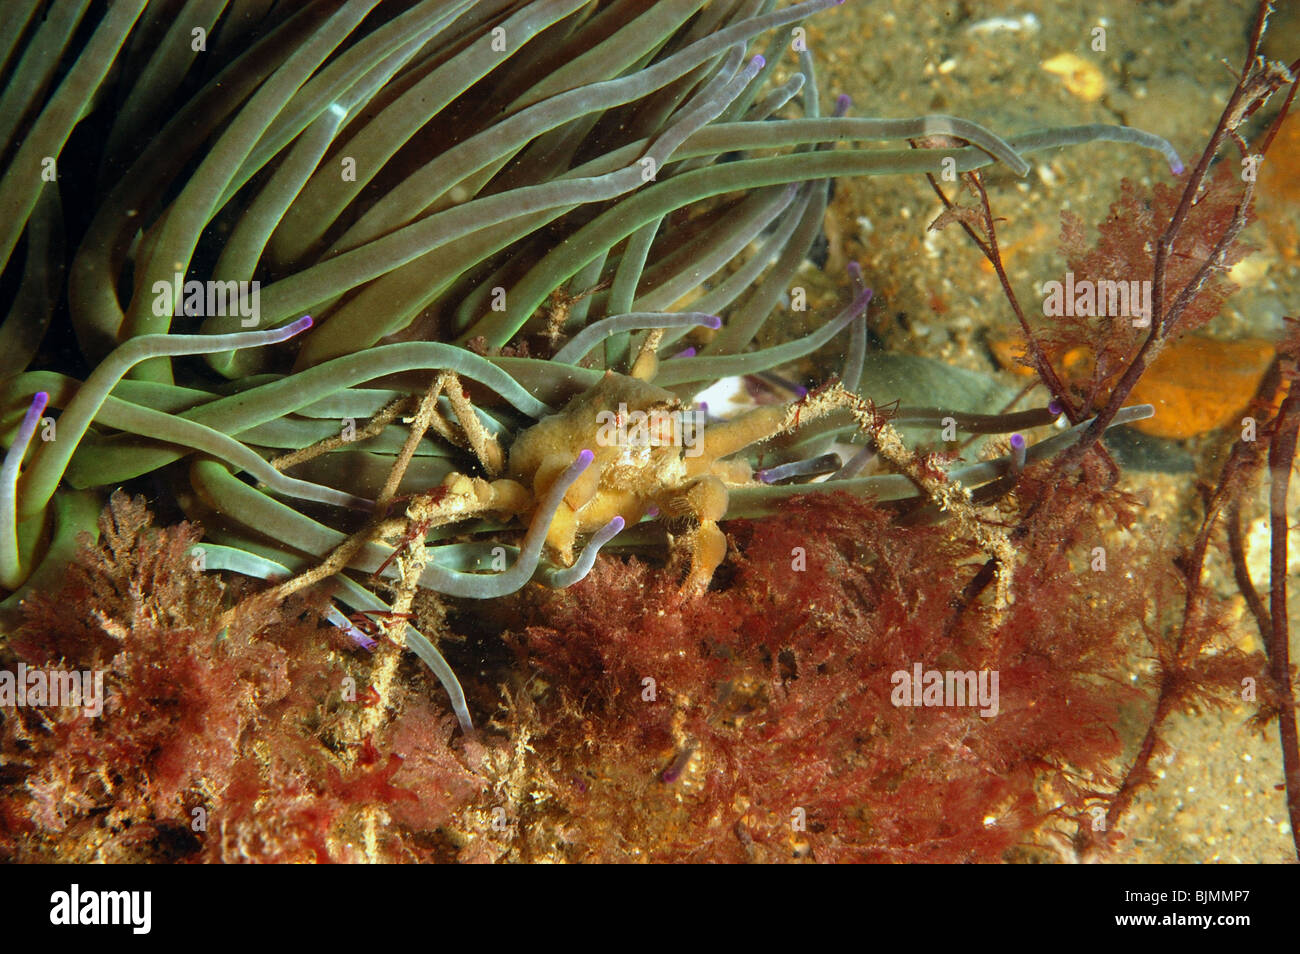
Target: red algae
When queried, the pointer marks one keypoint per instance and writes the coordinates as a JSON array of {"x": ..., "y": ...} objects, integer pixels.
[
  {"x": 759, "y": 723},
  {"x": 232, "y": 745}
]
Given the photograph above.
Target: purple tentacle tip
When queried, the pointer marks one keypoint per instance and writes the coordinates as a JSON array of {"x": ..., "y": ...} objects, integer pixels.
[
  {"x": 618, "y": 523},
  {"x": 1177, "y": 167},
  {"x": 759, "y": 61},
  {"x": 685, "y": 353},
  {"x": 31, "y": 419},
  {"x": 652, "y": 511},
  {"x": 855, "y": 270},
  {"x": 842, "y": 103},
  {"x": 299, "y": 326},
  {"x": 1054, "y": 407},
  {"x": 1019, "y": 455},
  {"x": 801, "y": 391},
  {"x": 585, "y": 457},
  {"x": 712, "y": 321}
]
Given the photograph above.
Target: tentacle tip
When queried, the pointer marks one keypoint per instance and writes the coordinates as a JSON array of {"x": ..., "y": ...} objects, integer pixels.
[
  {"x": 39, "y": 400},
  {"x": 585, "y": 457},
  {"x": 712, "y": 321},
  {"x": 759, "y": 61},
  {"x": 1018, "y": 441},
  {"x": 1054, "y": 408},
  {"x": 685, "y": 353},
  {"x": 652, "y": 511},
  {"x": 301, "y": 325},
  {"x": 1176, "y": 166},
  {"x": 616, "y": 525},
  {"x": 844, "y": 101}
]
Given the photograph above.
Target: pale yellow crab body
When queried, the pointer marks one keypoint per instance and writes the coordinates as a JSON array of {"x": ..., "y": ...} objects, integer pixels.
[{"x": 650, "y": 451}]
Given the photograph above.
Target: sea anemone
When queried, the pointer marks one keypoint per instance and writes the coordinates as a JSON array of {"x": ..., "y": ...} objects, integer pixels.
[{"x": 486, "y": 208}]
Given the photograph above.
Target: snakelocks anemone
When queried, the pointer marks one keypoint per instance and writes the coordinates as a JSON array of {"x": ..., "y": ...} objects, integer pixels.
[{"x": 440, "y": 261}]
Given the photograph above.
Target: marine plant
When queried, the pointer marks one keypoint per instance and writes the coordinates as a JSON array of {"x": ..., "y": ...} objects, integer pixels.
[{"x": 486, "y": 209}]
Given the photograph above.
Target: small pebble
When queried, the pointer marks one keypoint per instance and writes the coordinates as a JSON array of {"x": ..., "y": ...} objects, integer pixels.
[{"x": 1082, "y": 78}]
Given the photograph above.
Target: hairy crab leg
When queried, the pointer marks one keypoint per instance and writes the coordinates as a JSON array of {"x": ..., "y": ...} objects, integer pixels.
[
  {"x": 219, "y": 557},
  {"x": 761, "y": 501},
  {"x": 264, "y": 515}
]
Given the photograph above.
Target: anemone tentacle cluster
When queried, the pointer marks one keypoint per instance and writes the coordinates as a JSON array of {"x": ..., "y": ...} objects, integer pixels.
[{"x": 527, "y": 196}]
